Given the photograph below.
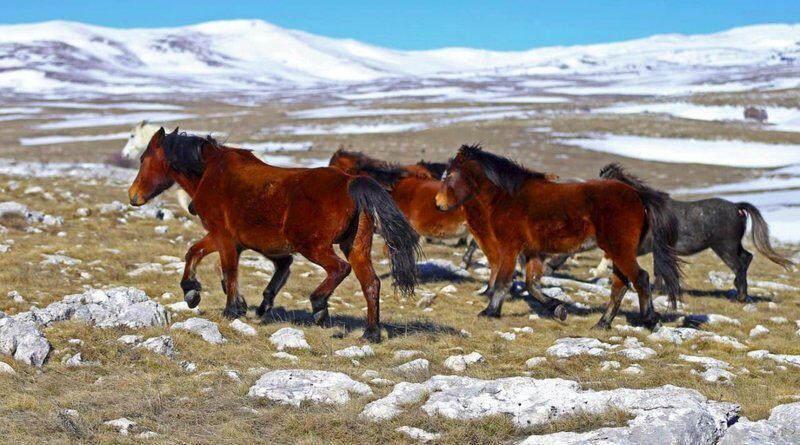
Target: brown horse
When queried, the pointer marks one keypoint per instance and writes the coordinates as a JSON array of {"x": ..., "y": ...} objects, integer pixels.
[
  {"x": 413, "y": 188},
  {"x": 512, "y": 210},
  {"x": 247, "y": 204}
]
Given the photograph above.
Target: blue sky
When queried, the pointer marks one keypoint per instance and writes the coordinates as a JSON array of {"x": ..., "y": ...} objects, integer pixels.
[{"x": 415, "y": 24}]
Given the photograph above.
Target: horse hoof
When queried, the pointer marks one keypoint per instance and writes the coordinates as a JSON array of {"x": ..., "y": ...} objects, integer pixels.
[
  {"x": 372, "y": 336},
  {"x": 489, "y": 314},
  {"x": 231, "y": 312},
  {"x": 320, "y": 317},
  {"x": 192, "y": 298},
  {"x": 560, "y": 312},
  {"x": 656, "y": 327},
  {"x": 602, "y": 325},
  {"x": 263, "y": 309}
]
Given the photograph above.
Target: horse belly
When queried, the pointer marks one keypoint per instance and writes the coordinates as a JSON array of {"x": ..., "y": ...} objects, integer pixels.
[{"x": 564, "y": 236}]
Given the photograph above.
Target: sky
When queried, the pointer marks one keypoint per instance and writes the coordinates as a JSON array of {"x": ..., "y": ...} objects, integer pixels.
[{"x": 417, "y": 24}]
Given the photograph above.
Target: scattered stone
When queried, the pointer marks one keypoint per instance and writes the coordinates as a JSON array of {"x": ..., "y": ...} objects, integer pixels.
[
  {"x": 680, "y": 335},
  {"x": 242, "y": 327},
  {"x": 16, "y": 297},
  {"x": 206, "y": 329},
  {"x": 633, "y": 369},
  {"x": 782, "y": 427},
  {"x": 750, "y": 307},
  {"x": 295, "y": 386},
  {"x": 182, "y": 306},
  {"x": 459, "y": 363},
  {"x": 535, "y": 362},
  {"x": 147, "y": 435},
  {"x": 233, "y": 375},
  {"x": 636, "y": 350},
  {"x": 668, "y": 413},
  {"x": 715, "y": 375},
  {"x": 784, "y": 359},
  {"x": 413, "y": 367},
  {"x": 161, "y": 230},
  {"x": 711, "y": 319},
  {"x": 23, "y": 340},
  {"x": 449, "y": 289},
  {"x": 608, "y": 365},
  {"x": 6, "y": 369},
  {"x": 707, "y": 362},
  {"x": 381, "y": 382},
  {"x": 285, "y": 356},
  {"x": 59, "y": 260},
  {"x": 188, "y": 366},
  {"x": 289, "y": 338},
  {"x": 523, "y": 330},
  {"x": 131, "y": 340},
  {"x": 122, "y": 425},
  {"x": 759, "y": 330},
  {"x": 509, "y": 336},
  {"x": 77, "y": 361},
  {"x": 75, "y": 342},
  {"x": 405, "y": 354},
  {"x": 370, "y": 374},
  {"x": 163, "y": 345},
  {"x": 778, "y": 320},
  {"x": 574, "y": 346},
  {"x": 419, "y": 435},
  {"x": 71, "y": 413},
  {"x": 356, "y": 352}
]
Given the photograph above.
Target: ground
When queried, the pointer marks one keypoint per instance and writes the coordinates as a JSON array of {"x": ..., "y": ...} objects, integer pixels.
[{"x": 207, "y": 406}]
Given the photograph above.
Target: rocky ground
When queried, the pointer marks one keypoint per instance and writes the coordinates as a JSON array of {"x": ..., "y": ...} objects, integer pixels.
[{"x": 97, "y": 345}]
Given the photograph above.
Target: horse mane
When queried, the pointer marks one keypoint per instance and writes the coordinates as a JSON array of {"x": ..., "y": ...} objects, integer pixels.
[
  {"x": 184, "y": 152},
  {"x": 436, "y": 169},
  {"x": 501, "y": 171},
  {"x": 615, "y": 171},
  {"x": 387, "y": 175}
]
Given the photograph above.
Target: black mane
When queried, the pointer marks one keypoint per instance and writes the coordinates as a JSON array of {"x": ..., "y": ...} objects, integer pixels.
[
  {"x": 436, "y": 169},
  {"x": 615, "y": 171},
  {"x": 386, "y": 175},
  {"x": 184, "y": 152},
  {"x": 501, "y": 171}
]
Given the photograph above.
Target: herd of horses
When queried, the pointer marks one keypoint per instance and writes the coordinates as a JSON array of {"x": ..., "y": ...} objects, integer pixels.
[{"x": 513, "y": 214}]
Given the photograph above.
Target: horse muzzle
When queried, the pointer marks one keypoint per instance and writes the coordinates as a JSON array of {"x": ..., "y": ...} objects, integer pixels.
[{"x": 135, "y": 201}]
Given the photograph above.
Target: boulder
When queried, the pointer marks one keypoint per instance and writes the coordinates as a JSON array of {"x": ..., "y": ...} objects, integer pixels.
[
  {"x": 782, "y": 427},
  {"x": 162, "y": 344},
  {"x": 572, "y": 346},
  {"x": 459, "y": 363},
  {"x": 23, "y": 340},
  {"x": 413, "y": 367},
  {"x": 206, "y": 329},
  {"x": 356, "y": 352},
  {"x": 242, "y": 328},
  {"x": 289, "y": 338},
  {"x": 295, "y": 386}
]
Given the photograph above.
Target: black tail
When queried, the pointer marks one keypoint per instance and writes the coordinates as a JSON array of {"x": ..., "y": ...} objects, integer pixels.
[
  {"x": 400, "y": 237},
  {"x": 760, "y": 236},
  {"x": 663, "y": 225}
]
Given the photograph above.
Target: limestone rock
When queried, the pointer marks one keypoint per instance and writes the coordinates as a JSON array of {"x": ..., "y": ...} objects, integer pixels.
[
  {"x": 242, "y": 328},
  {"x": 417, "y": 434},
  {"x": 295, "y": 386},
  {"x": 289, "y": 338},
  {"x": 356, "y": 352},
  {"x": 574, "y": 346},
  {"x": 162, "y": 344},
  {"x": 206, "y": 329},
  {"x": 459, "y": 363},
  {"x": 413, "y": 367}
]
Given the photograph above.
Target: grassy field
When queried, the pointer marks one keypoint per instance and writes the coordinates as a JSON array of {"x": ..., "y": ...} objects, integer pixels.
[{"x": 209, "y": 407}]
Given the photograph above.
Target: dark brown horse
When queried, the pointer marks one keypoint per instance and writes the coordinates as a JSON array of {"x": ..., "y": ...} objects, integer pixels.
[
  {"x": 512, "y": 210},
  {"x": 247, "y": 204},
  {"x": 413, "y": 188}
]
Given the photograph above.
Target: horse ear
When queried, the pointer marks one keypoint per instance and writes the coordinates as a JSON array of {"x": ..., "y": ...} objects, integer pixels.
[
  {"x": 175, "y": 131},
  {"x": 159, "y": 134}
]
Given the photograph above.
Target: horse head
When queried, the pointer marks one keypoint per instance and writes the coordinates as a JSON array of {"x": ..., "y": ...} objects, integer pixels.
[{"x": 154, "y": 176}]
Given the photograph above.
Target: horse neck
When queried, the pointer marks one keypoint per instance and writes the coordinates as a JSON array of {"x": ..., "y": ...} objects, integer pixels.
[{"x": 190, "y": 183}]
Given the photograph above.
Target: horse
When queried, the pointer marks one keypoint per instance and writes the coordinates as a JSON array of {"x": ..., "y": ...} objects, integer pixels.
[
  {"x": 512, "y": 210},
  {"x": 413, "y": 188},
  {"x": 244, "y": 203},
  {"x": 715, "y": 224}
]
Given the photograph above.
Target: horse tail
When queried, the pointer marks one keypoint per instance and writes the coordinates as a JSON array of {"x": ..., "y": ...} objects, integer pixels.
[
  {"x": 760, "y": 235},
  {"x": 663, "y": 225},
  {"x": 401, "y": 239}
]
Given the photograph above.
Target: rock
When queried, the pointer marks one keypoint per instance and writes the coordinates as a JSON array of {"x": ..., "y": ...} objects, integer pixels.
[
  {"x": 163, "y": 345},
  {"x": 75, "y": 342},
  {"x": 188, "y": 366},
  {"x": 206, "y": 329},
  {"x": 289, "y": 338},
  {"x": 116, "y": 307},
  {"x": 715, "y": 375},
  {"x": 356, "y": 352},
  {"x": 147, "y": 435},
  {"x": 122, "y": 425},
  {"x": 381, "y": 382},
  {"x": 161, "y": 230},
  {"x": 680, "y": 335},
  {"x": 712, "y": 319},
  {"x": 668, "y": 413},
  {"x": 509, "y": 336},
  {"x": 71, "y": 413},
  {"x": 418, "y": 434},
  {"x": 449, "y": 289},
  {"x": 285, "y": 356},
  {"x": 749, "y": 307},
  {"x": 459, "y": 363},
  {"x": 707, "y": 362},
  {"x": 16, "y": 297},
  {"x": 22, "y": 339},
  {"x": 130, "y": 340},
  {"x": 6, "y": 369},
  {"x": 370, "y": 374},
  {"x": 233, "y": 375},
  {"x": 77, "y": 361},
  {"x": 636, "y": 350},
  {"x": 573, "y": 346},
  {"x": 413, "y": 367},
  {"x": 523, "y": 330},
  {"x": 182, "y": 306},
  {"x": 242, "y": 327},
  {"x": 757, "y": 331},
  {"x": 784, "y": 359},
  {"x": 778, "y": 320},
  {"x": 633, "y": 369},
  {"x": 405, "y": 354},
  {"x": 295, "y": 386},
  {"x": 535, "y": 362},
  {"x": 781, "y": 427},
  {"x": 608, "y": 365}
]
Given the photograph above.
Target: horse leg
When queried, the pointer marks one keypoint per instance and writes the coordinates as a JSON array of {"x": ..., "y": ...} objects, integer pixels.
[
  {"x": 619, "y": 286},
  {"x": 336, "y": 269},
  {"x": 498, "y": 291},
  {"x": 533, "y": 273},
  {"x": 740, "y": 281},
  {"x": 275, "y": 284},
  {"x": 641, "y": 282},
  {"x": 738, "y": 260},
  {"x": 555, "y": 262},
  {"x": 189, "y": 284},
  {"x": 359, "y": 253},
  {"x": 235, "y": 306},
  {"x": 467, "y": 258}
]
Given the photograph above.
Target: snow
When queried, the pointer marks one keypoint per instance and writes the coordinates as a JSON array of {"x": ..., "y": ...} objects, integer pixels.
[
  {"x": 372, "y": 128},
  {"x": 83, "y": 120},
  {"x": 278, "y": 146},
  {"x": 58, "y": 139},
  {"x": 675, "y": 150}
]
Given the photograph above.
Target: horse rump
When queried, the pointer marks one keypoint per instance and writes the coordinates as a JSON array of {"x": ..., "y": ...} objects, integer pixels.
[
  {"x": 760, "y": 235},
  {"x": 401, "y": 239}
]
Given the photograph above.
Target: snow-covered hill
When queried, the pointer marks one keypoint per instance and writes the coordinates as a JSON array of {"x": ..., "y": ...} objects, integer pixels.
[{"x": 61, "y": 57}]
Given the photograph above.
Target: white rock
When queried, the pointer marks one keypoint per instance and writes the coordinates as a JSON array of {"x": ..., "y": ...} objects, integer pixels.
[
  {"x": 182, "y": 306},
  {"x": 783, "y": 359},
  {"x": 667, "y": 414},
  {"x": 123, "y": 425},
  {"x": 778, "y": 320},
  {"x": 707, "y": 362},
  {"x": 459, "y": 363},
  {"x": 289, "y": 338},
  {"x": 608, "y": 365},
  {"x": 509, "y": 336},
  {"x": 77, "y": 361},
  {"x": 758, "y": 331},
  {"x": 715, "y": 375},
  {"x": 633, "y": 369},
  {"x": 161, "y": 230},
  {"x": 571, "y": 347},
  {"x": 370, "y": 374},
  {"x": 22, "y": 339},
  {"x": 712, "y": 319},
  {"x": 242, "y": 328},
  {"x": 131, "y": 340},
  {"x": 75, "y": 342},
  {"x": 636, "y": 350},
  {"x": 749, "y": 307},
  {"x": 449, "y": 289},
  {"x": 5, "y": 368},
  {"x": 147, "y": 435},
  {"x": 404, "y": 354},
  {"x": 356, "y": 352},
  {"x": 535, "y": 362},
  {"x": 523, "y": 330},
  {"x": 285, "y": 356},
  {"x": 680, "y": 335},
  {"x": 16, "y": 297},
  {"x": 163, "y": 345},
  {"x": 233, "y": 375},
  {"x": 413, "y": 367},
  {"x": 206, "y": 329},
  {"x": 295, "y": 386},
  {"x": 71, "y": 413},
  {"x": 188, "y": 366},
  {"x": 782, "y": 427},
  {"x": 419, "y": 435}
]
